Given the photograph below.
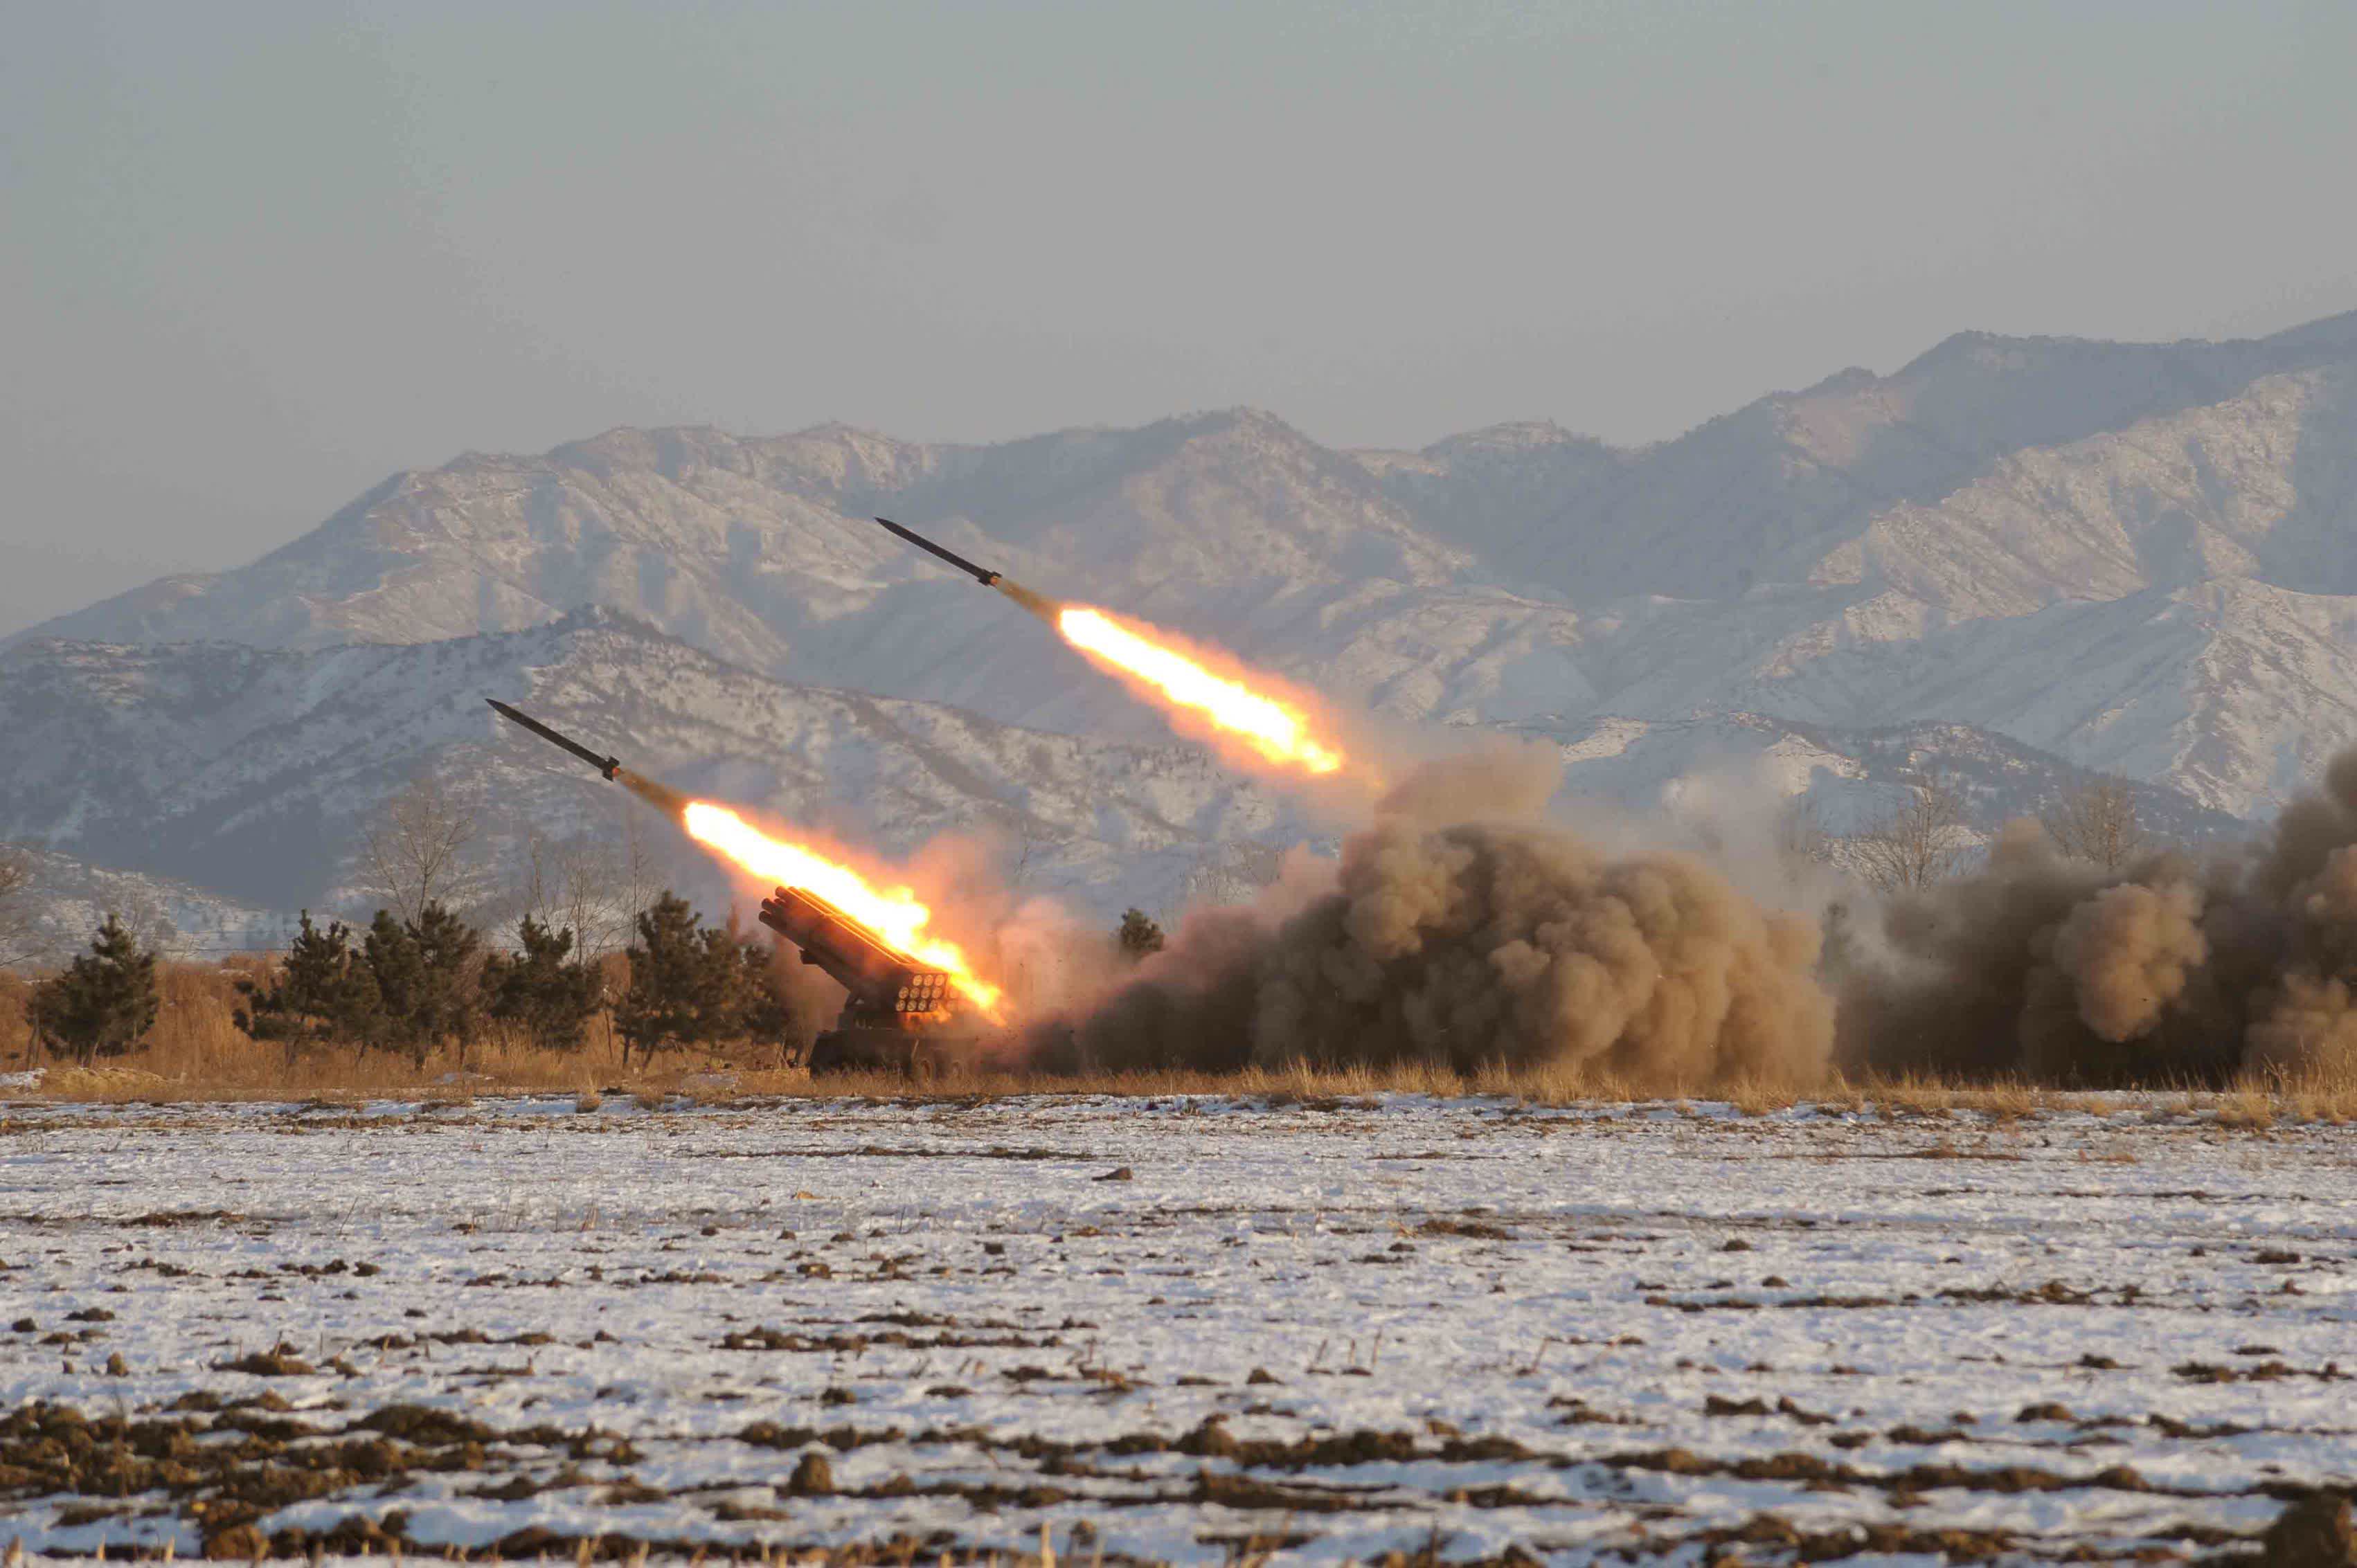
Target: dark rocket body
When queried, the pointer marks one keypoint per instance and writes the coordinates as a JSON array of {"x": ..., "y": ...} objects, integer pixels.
[
  {"x": 987, "y": 578},
  {"x": 608, "y": 766},
  {"x": 1038, "y": 603}
]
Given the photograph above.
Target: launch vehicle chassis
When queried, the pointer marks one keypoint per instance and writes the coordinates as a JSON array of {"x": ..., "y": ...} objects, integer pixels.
[{"x": 912, "y": 1053}]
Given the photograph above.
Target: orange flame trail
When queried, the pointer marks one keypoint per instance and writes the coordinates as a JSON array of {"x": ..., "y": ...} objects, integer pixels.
[
  {"x": 893, "y": 914},
  {"x": 1271, "y": 727}
]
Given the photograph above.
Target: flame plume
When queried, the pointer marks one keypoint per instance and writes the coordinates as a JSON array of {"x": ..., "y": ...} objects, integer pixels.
[
  {"x": 1272, "y": 728},
  {"x": 893, "y": 914}
]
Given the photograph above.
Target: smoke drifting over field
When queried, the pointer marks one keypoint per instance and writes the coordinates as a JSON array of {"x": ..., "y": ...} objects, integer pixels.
[
  {"x": 1461, "y": 929},
  {"x": 2170, "y": 971}
]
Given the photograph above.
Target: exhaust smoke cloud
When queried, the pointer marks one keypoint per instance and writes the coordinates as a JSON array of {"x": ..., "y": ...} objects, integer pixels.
[
  {"x": 1463, "y": 930},
  {"x": 2166, "y": 971}
]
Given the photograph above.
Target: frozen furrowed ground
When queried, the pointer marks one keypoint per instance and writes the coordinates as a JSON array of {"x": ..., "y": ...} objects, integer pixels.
[{"x": 1170, "y": 1330}]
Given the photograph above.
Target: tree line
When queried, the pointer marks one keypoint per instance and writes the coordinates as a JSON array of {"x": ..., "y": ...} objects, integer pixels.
[
  {"x": 420, "y": 977},
  {"x": 1928, "y": 838},
  {"x": 433, "y": 980}
]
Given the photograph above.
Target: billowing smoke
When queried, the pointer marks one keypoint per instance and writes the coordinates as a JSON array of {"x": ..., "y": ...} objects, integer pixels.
[
  {"x": 1460, "y": 930},
  {"x": 2168, "y": 970}
]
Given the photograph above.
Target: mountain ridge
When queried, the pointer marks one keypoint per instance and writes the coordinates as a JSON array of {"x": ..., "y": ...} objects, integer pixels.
[
  {"x": 247, "y": 772},
  {"x": 2144, "y": 554}
]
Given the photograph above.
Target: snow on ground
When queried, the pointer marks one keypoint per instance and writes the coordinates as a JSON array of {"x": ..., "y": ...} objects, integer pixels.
[{"x": 1344, "y": 1329}]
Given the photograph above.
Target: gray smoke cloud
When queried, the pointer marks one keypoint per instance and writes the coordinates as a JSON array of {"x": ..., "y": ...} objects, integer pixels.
[
  {"x": 1461, "y": 929},
  {"x": 2168, "y": 971}
]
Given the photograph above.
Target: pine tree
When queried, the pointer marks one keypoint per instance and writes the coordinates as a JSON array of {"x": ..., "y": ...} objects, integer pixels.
[
  {"x": 1138, "y": 935},
  {"x": 762, "y": 1014},
  {"x": 323, "y": 992},
  {"x": 399, "y": 972},
  {"x": 542, "y": 989},
  {"x": 670, "y": 970},
  {"x": 427, "y": 977},
  {"x": 447, "y": 1003},
  {"x": 696, "y": 985},
  {"x": 103, "y": 1003},
  {"x": 722, "y": 996}
]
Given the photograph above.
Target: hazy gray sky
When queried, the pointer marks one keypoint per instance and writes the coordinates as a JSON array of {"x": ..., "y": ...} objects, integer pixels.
[{"x": 258, "y": 256}]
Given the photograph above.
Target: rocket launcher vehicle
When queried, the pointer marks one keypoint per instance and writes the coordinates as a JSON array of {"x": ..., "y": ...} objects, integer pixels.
[
  {"x": 882, "y": 980},
  {"x": 898, "y": 1015}
]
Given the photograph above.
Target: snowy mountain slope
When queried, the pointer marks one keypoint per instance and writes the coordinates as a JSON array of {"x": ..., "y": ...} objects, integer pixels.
[
  {"x": 2172, "y": 602},
  {"x": 1852, "y": 778},
  {"x": 1232, "y": 524},
  {"x": 1486, "y": 488},
  {"x": 2140, "y": 556},
  {"x": 249, "y": 771},
  {"x": 2262, "y": 485},
  {"x": 67, "y": 899},
  {"x": 2236, "y": 692},
  {"x": 1764, "y": 494},
  {"x": 746, "y": 547}
]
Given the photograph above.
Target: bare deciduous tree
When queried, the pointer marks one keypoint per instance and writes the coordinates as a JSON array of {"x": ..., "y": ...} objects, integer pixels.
[
  {"x": 1801, "y": 836},
  {"x": 1019, "y": 870},
  {"x": 145, "y": 917},
  {"x": 1922, "y": 842},
  {"x": 642, "y": 881},
  {"x": 19, "y": 938},
  {"x": 417, "y": 849},
  {"x": 2098, "y": 824},
  {"x": 579, "y": 884}
]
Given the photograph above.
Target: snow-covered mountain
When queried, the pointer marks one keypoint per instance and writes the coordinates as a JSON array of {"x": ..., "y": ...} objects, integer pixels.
[
  {"x": 249, "y": 771},
  {"x": 1851, "y": 778},
  {"x": 761, "y": 552},
  {"x": 2139, "y": 557}
]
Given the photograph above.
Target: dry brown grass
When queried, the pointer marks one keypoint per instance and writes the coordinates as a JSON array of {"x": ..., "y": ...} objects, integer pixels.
[
  {"x": 2249, "y": 1106},
  {"x": 197, "y": 1053},
  {"x": 2005, "y": 1099}
]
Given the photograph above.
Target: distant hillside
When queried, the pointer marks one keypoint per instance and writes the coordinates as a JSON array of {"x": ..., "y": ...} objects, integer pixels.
[
  {"x": 248, "y": 771},
  {"x": 2141, "y": 557},
  {"x": 1853, "y": 779},
  {"x": 67, "y": 898}
]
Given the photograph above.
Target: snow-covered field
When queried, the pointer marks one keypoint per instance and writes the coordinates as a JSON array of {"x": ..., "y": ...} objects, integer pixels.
[{"x": 1178, "y": 1329}]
